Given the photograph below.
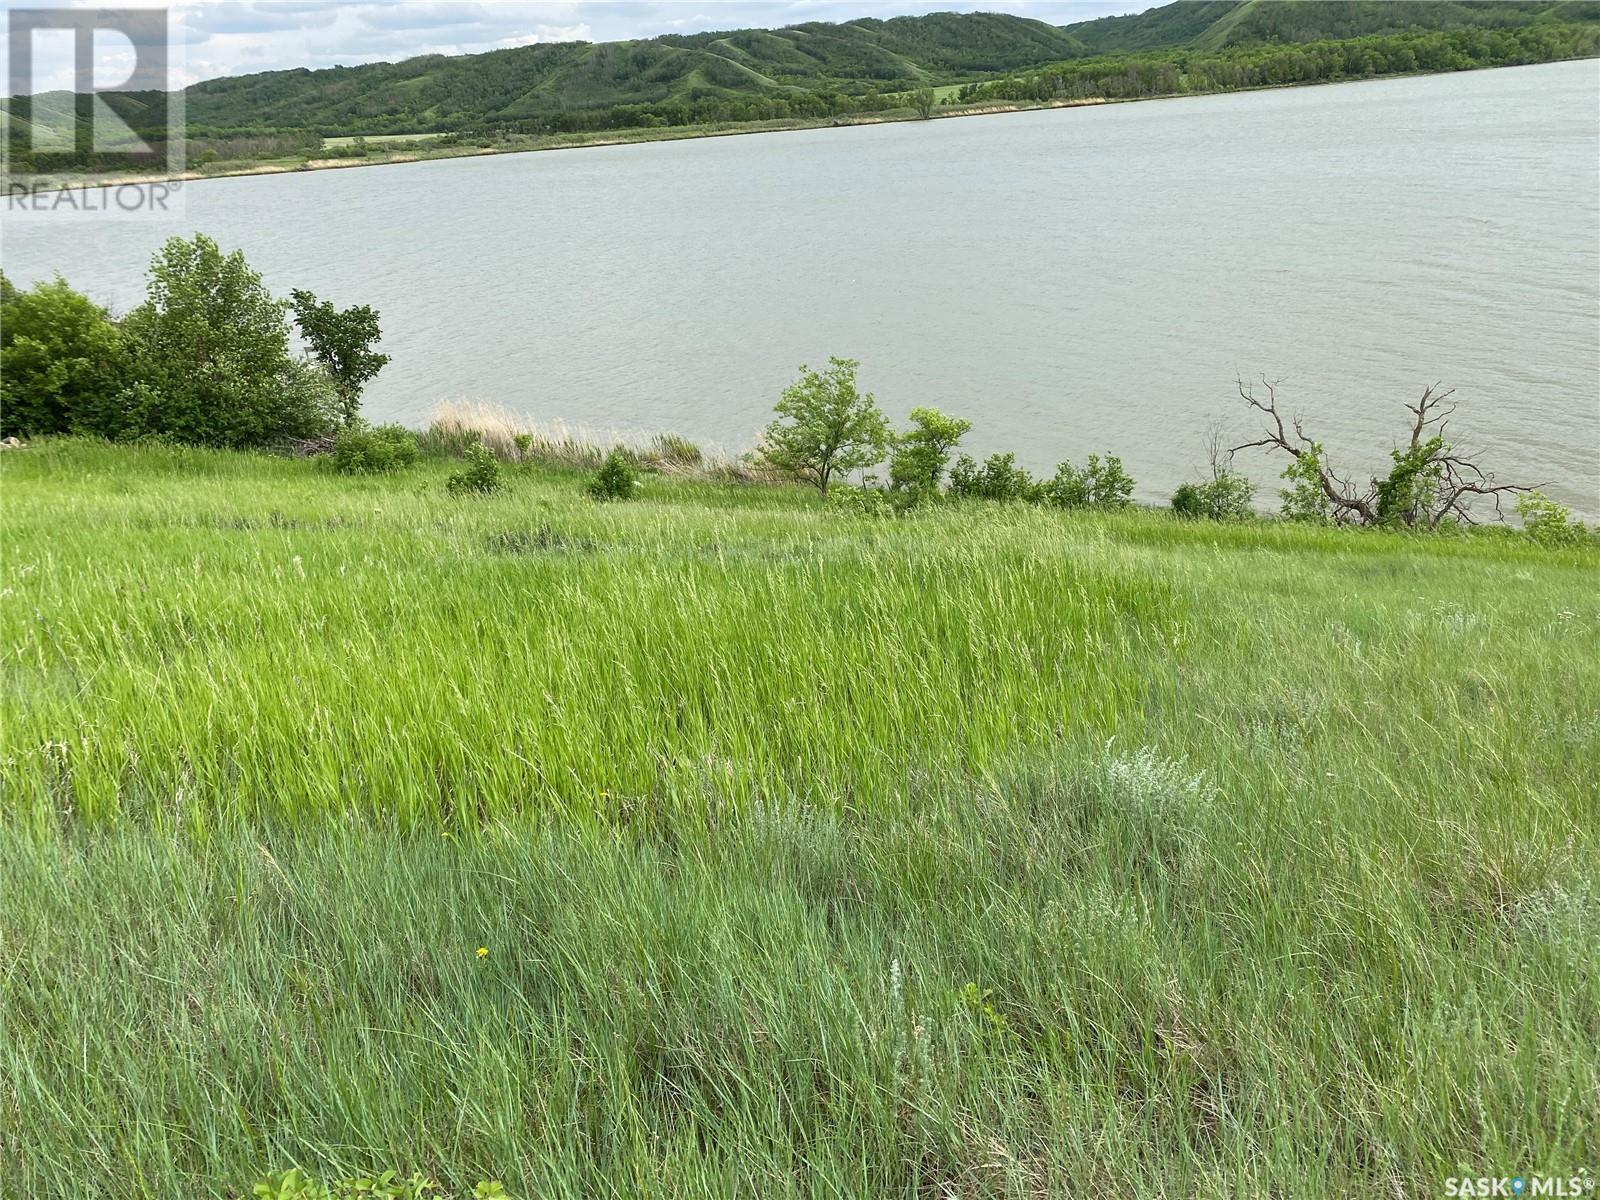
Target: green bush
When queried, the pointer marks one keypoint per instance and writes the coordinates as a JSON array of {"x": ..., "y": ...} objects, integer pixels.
[
  {"x": 1096, "y": 485},
  {"x": 480, "y": 477},
  {"x": 1550, "y": 524},
  {"x": 616, "y": 480},
  {"x": 362, "y": 450},
  {"x": 1227, "y": 497},
  {"x": 998, "y": 479},
  {"x": 61, "y": 362},
  {"x": 872, "y": 502}
]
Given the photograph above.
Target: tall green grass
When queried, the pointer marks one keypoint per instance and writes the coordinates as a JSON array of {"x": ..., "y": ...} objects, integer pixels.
[{"x": 991, "y": 852}]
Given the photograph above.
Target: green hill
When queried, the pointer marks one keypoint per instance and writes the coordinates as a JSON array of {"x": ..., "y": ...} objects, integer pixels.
[
  {"x": 799, "y": 62},
  {"x": 1216, "y": 24}
]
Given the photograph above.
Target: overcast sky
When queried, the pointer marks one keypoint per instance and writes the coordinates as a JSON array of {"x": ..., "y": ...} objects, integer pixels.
[{"x": 233, "y": 36}]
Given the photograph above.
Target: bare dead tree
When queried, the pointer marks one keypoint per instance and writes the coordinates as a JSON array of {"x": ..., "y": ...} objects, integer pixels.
[
  {"x": 1432, "y": 478},
  {"x": 1218, "y": 454}
]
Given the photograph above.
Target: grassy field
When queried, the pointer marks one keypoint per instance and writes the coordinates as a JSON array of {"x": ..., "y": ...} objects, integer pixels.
[{"x": 715, "y": 844}]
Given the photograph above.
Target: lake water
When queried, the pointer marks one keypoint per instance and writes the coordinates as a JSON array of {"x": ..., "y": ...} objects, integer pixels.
[{"x": 1073, "y": 280}]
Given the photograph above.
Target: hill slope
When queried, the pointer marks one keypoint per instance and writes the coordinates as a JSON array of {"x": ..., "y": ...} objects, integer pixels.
[
  {"x": 720, "y": 842},
  {"x": 437, "y": 92},
  {"x": 1216, "y": 24}
]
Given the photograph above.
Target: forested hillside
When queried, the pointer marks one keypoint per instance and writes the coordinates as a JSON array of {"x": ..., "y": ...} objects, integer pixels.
[
  {"x": 813, "y": 67},
  {"x": 1217, "y": 24}
]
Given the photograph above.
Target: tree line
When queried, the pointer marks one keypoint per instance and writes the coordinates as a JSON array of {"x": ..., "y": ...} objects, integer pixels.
[
  {"x": 206, "y": 358},
  {"x": 1187, "y": 72}
]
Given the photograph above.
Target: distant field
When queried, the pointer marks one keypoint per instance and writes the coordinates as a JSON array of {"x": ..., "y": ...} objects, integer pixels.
[
  {"x": 717, "y": 844},
  {"x": 373, "y": 139}
]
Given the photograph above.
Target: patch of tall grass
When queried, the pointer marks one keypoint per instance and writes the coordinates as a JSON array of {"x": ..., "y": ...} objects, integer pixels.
[{"x": 978, "y": 853}]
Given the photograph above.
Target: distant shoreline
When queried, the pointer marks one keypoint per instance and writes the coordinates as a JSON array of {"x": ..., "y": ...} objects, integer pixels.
[{"x": 635, "y": 136}]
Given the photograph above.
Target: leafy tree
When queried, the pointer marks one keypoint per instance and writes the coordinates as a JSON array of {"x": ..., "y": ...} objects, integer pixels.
[
  {"x": 921, "y": 454},
  {"x": 8, "y": 290},
  {"x": 212, "y": 347},
  {"x": 1096, "y": 485},
  {"x": 341, "y": 340},
  {"x": 825, "y": 426},
  {"x": 922, "y": 100},
  {"x": 61, "y": 361}
]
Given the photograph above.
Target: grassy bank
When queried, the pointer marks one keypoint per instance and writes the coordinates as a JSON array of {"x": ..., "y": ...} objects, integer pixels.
[{"x": 978, "y": 853}]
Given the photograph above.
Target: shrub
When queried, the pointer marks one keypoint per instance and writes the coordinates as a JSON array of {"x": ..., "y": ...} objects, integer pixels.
[
  {"x": 61, "y": 362},
  {"x": 1548, "y": 523},
  {"x": 480, "y": 477},
  {"x": 998, "y": 479},
  {"x": 871, "y": 502},
  {"x": 359, "y": 450},
  {"x": 616, "y": 480},
  {"x": 1227, "y": 497},
  {"x": 1096, "y": 485},
  {"x": 921, "y": 453}
]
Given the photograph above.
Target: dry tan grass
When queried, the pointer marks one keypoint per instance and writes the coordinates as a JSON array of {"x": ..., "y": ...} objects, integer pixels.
[{"x": 455, "y": 423}]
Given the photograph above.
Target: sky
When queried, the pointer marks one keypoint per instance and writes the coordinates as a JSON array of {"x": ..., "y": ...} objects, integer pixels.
[{"x": 234, "y": 37}]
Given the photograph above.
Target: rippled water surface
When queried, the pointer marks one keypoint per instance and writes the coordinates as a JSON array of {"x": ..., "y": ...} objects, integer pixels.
[{"x": 1072, "y": 280}]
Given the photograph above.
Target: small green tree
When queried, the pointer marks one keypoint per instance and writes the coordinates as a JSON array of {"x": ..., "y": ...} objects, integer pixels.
[
  {"x": 616, "y": 479},
  {"x": 61, "y": 362},
  {"x": 825, "y": 426},
  {"x": 923, "y": 101},
  {"x": 922, "y": 453},
  {"x": 1096, "y": 485},
  {"x": 341, "y": 340}
]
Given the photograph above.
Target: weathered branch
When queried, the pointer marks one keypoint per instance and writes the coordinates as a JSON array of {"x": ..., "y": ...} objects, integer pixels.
[{"x": 1431, "y": 480}]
